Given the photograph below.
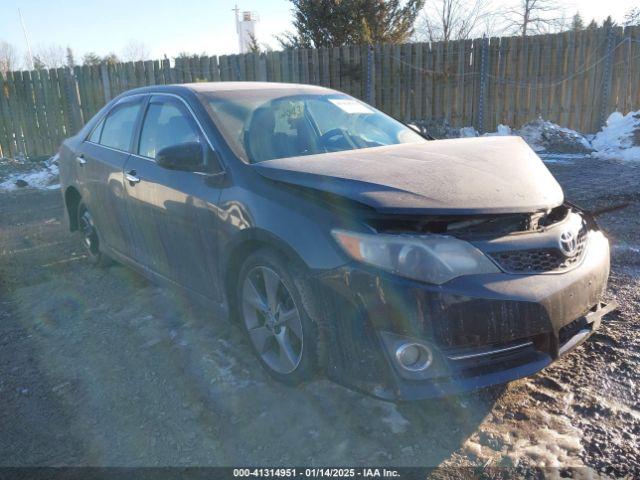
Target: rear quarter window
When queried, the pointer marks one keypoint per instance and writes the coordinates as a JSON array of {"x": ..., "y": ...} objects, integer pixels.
[
  {"x": 118, "y": 126},
  {"x": 95, "y": 134}
]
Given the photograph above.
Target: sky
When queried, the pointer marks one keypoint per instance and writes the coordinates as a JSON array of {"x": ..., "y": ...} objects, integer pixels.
[{"x": 172, "y": 26}]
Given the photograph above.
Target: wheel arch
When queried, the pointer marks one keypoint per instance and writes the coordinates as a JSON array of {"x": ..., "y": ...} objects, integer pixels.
[
  {"x": 251, "y": 241},
  {"x": 72, "y": 200}
]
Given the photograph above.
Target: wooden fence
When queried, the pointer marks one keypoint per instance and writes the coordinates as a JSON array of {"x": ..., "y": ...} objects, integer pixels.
[{"x": 573, "y": 78}]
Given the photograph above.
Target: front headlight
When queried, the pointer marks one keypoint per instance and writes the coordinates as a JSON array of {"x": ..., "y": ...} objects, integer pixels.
[{"x": 428, "y": 258}]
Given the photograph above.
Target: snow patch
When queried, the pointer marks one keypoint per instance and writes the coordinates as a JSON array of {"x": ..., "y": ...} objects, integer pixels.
[
  {"x": 619, "y": 138},
  {"x": 467, "y": 132},
  {"x": 501, "y": 131},
  {"x": 43, "y": 178},
  {"x": 543, "y": 135}
]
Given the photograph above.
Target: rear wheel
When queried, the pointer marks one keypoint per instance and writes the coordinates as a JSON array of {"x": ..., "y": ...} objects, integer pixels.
[
  {"x": 276, "y": 319},
  {"x": 90, "y": 237}
]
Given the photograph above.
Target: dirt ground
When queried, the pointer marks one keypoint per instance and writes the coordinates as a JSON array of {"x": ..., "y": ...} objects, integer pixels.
[{"x": 99, "y": 367}]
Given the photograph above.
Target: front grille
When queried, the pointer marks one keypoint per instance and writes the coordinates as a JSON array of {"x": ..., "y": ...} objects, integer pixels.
[
  {"x": 481, "y": 360},
  {"x": 540, "y": 260}
]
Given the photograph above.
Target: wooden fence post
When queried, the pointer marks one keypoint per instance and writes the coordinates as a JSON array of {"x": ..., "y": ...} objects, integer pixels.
[
  {"x": 606, "y": 76},
  {"x": 484, "y": 61},
  {"x": 370, "y": 93},
  {"x": 106, "y": 84},
  {"x": 70, "y": 85}
]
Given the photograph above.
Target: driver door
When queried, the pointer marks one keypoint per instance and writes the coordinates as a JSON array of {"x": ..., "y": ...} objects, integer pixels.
[{"x": 166, "y": 206}]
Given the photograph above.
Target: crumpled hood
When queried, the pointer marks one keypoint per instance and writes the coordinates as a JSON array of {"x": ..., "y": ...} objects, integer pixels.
[{"x": 461, "y": 176}]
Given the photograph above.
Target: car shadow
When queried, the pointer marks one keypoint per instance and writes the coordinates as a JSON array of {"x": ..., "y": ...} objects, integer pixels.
[{"x": 267, "y": 423}]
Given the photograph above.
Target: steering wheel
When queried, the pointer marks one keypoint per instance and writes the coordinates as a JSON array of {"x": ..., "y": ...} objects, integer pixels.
[{"x": 331, "y": 139}]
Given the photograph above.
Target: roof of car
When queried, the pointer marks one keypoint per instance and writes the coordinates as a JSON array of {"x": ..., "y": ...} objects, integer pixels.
[
  {"x": 226, "y": 86},
  {"x": 212, "y": 87}
]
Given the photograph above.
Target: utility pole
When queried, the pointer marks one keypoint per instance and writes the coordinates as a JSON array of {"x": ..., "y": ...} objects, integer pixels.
[
  {"x": 26, "y": 38},
  {"x": 236, "y": 10}
]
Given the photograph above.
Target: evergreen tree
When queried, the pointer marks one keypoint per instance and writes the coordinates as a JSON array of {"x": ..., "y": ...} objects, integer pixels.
[
  {"x": 254, "y": 46},
  {"x": 90, "y": 58},
  {"x": 608, "y": 22},
  {"x": 330, "y": 23},
  {"x": 71, "y": 62},
  {"x": 576, "y": 22}
]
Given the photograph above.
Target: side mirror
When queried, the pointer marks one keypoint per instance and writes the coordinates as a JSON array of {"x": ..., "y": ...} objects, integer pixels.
[{"x": 184, "y": 156}]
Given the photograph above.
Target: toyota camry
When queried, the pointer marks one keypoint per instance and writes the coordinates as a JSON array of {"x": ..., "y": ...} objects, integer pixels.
[{"x": 343, "y": 242}]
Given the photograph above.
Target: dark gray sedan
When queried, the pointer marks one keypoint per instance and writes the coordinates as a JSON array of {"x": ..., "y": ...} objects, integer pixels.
[{"x": 341, "y": 240}]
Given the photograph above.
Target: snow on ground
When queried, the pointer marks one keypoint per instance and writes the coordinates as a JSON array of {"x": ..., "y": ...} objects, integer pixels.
[
  {"x": 43, "y": 176},
  {"x": 543, "y": 135},
  {"x": 501, "y": 131},
  {"x": 619, "y": 138}
]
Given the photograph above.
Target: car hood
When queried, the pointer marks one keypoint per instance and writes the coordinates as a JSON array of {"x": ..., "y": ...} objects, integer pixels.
[{"x": 461, "y": 176}]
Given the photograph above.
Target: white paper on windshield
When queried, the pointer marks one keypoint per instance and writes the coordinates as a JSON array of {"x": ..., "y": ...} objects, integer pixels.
[{"x": 350, "y": 106}]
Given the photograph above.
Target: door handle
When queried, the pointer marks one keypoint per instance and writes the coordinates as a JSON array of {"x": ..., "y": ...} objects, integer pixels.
[
  {"x": 81, "y": 160},
  {"x": 131, "y": 177}
]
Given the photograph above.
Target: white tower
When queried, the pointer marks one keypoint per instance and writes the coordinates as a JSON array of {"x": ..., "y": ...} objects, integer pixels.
[{"x": 246, "y": 28}]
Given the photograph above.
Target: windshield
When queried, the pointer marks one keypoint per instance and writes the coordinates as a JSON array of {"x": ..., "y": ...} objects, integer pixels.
[{"x": 267, "y": 124}]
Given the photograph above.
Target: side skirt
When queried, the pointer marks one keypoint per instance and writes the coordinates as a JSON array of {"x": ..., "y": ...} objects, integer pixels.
[{"x": 220, "y": 309}]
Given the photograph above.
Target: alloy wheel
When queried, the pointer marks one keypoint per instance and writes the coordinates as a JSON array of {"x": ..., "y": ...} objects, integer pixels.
[{"x": 272, "y": 319}]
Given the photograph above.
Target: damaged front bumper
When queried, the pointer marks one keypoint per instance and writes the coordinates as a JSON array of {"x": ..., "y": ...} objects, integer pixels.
[{"x": 481, "y": 329}]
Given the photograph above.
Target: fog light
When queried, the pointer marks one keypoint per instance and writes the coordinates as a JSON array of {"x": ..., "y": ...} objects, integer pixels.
[{"x": 414, "y": 357}]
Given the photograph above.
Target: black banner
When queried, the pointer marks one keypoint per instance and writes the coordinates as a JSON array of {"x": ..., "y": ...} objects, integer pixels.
[{"x": 270, "y": 473}]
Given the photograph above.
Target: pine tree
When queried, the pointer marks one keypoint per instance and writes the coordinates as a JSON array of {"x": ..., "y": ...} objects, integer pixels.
[
  {"x": 608, "y": 22},
  {"x": 254, "y": 46},
  {"x": 91, "y": 58},
  {"x": 330, "y": 23},
  {"x": 576, "y": 22},
  {"x": 71, "y": 62}
]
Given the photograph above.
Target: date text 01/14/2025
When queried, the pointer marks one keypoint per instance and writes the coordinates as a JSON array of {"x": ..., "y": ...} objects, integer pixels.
[{"x": 316, "y": 473}]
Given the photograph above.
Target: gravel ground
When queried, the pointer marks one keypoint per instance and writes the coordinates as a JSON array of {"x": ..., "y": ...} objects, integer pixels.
[{"x": 99, "y": 367}]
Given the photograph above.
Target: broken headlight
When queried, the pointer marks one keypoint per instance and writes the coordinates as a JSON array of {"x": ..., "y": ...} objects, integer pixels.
[{"x": 429, "y": 258}]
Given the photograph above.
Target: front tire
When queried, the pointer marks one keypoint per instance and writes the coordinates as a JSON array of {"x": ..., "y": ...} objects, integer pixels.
[
  {"x": 90, "y": 238},
  {"x": 273, "y": 307}
]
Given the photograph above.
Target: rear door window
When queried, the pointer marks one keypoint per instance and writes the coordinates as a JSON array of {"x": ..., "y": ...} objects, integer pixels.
[{"x": 119, "y": 125}]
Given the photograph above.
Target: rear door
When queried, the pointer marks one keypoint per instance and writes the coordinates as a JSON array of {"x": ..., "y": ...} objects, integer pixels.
[
  {"x": 100, "y": 162},
  {"x": 167, "y": 206}
]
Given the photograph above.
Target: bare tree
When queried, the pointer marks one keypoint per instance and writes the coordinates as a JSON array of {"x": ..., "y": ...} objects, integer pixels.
[
  {"x": 135, "y": 51},
  {"x": 110, "y": 59},
  {"x": 444, "y": 20},
  {"x": 529, "y": 17},
  {"x": 632, "y": 17},
  {"x": 49, "y": 56},
  {"x": 8, "y": 57}
]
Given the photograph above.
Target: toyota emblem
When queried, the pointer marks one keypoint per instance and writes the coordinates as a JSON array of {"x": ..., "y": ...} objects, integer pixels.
[{"x": 569, "y": 243}]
